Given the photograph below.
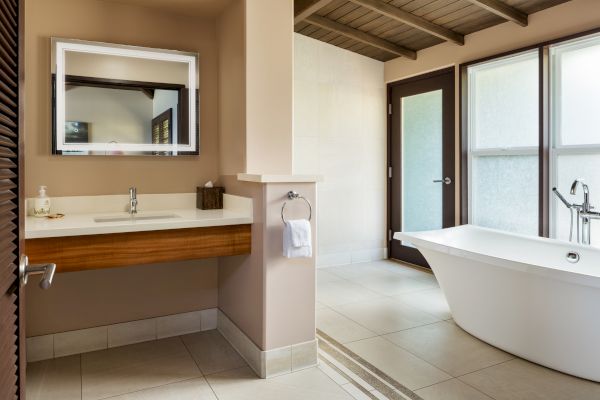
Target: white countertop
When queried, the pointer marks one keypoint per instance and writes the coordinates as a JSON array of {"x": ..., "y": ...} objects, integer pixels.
[{"x": 237, "y": 210}]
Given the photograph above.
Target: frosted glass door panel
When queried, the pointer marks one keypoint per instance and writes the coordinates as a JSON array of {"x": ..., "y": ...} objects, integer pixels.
[
  {"x": 505, "y": 193},
  {"x": 422, "y": 207},
  {"x": 576, "y": 92}
]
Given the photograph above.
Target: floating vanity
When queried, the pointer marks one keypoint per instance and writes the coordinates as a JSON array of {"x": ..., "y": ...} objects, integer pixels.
[{"x": 98, "y": 232}]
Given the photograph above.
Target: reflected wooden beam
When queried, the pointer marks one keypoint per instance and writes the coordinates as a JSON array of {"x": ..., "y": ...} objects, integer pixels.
[
  {"x": 306, "y": 8},
  {"x": 503, "y": 10},
  {"x": 413, "y": 20},
  {"x": 361, "y": 36}
]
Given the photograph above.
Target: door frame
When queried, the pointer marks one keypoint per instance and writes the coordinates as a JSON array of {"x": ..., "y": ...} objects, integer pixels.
[{"x": 445, "y": 79}]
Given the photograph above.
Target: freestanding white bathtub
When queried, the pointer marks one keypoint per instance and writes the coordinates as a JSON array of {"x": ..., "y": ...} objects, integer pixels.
[{"x": 520, "y": 293}]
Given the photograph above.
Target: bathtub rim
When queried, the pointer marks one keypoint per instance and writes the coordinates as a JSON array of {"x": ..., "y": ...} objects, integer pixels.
[{"x": 420, "y": 239}]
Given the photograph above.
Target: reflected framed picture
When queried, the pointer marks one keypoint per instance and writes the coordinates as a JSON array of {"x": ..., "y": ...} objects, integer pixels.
[{"x": 76, "y": 132}]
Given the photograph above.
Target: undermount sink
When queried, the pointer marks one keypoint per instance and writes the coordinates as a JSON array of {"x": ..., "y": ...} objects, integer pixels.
[{"x": 134, "y": 217}]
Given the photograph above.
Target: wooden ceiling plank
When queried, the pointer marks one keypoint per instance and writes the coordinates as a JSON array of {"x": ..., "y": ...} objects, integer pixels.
[
  {"x": 306, "y": 8},
  {"x": 503, "y": 10},
  {"x": 412, "y": 20},
  {"x": 362, "y": 36}
]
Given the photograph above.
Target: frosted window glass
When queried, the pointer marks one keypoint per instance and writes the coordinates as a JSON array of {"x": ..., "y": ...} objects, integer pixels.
[
  {"x": 569, "y": 168},
  {"x": 505, "y": 193},
  {"x": 576, "y": 89},
  {"x": 422, "y": 161},
  {"x": 503, "y": 102}
]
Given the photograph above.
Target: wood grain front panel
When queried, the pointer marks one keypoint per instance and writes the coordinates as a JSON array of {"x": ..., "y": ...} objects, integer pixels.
[{"x": 78, "y": 253}]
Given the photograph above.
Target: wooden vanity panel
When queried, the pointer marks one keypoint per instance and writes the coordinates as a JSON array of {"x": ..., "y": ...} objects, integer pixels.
[{"x": 78, "y": 253}]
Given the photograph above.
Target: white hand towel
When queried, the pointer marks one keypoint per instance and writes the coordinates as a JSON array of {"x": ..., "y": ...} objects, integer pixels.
[{"x": 297, "y": 239}]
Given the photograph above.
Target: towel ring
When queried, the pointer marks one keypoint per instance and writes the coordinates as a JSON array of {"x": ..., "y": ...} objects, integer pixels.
[{"x": 291, "y": 195}]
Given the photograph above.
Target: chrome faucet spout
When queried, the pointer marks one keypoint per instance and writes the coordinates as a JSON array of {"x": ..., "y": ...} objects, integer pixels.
[
  {"x": 133, "y": 202},
  {"x": 586, "y": 193}
]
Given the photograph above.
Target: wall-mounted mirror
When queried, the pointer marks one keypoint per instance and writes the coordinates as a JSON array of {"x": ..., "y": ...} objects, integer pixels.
[{"x": 113, "y": 99}]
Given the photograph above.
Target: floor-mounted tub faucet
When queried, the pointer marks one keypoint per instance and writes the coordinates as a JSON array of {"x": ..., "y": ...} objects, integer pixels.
[
  {"x": 584, "y": 213},
  {"x": 133, "y": 202}
]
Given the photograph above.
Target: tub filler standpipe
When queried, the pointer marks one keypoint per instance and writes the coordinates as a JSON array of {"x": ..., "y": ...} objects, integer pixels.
[{"x": 583, "y": 212}]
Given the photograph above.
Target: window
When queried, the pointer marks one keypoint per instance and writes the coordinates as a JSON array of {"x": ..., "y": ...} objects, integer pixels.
[
  {"x": 503, "y": 126},
  {"x": 511, "y": 162},
  {"x": 575, "y": 127}
]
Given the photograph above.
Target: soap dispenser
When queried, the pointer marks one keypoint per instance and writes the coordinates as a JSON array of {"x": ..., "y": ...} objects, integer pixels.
[{"x": 41, "y": 204}]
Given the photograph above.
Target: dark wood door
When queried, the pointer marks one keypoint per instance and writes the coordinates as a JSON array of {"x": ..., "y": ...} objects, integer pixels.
[
  {"x": 12, "y": 330},
  {"x": 421, "y": 155}
]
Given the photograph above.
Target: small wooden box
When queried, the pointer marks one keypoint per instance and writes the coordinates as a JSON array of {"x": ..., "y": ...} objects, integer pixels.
[{"x": 209, "y": 198}]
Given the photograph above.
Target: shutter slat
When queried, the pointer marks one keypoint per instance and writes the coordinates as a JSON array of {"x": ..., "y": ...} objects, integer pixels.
[
  {"x": 9, "y": 123},
  {"x": 10, "y": 11},
  {"x": 7, "y": 131},
  {"x": 8, "y": 49},
  {"x": 4, "y": 152},
  {"x": 7, "y": 90},
  {"x": 8, "y": 65},
  {"x": 7, "y": 100},
  {"x": 7, "y": 142},
  {"x": 7, "y": 164},
  {"x": 5, "y": 78},
  {"x": 7, "y": 25},
  {"x": 9, "y": 112}
]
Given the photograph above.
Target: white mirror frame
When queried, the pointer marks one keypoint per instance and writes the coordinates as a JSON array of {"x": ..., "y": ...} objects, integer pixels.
[{"x": 61, "y": 46}]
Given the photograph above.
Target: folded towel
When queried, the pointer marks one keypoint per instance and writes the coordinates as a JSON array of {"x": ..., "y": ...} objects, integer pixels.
[{"x": 297, "y": 239}]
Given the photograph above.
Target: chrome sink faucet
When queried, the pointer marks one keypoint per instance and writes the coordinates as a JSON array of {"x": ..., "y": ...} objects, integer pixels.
[{"x": 133, "y": 202}]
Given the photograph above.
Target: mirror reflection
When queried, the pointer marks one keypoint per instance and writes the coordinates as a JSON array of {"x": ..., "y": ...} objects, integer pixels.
[{"x": 119, "y": 104}]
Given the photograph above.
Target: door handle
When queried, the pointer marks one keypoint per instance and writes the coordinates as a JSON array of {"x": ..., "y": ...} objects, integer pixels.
[
  {"x": 445, "y": 181},
  {"x": 46, "y": 270}
]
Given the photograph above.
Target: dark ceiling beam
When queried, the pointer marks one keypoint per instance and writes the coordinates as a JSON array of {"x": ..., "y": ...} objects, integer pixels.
[
  {"x": 361, "y": 36},
  {"x": 503, "y": 10},
  {"x": 413, "y": 20},
  {"x": 306, "y": 8}
]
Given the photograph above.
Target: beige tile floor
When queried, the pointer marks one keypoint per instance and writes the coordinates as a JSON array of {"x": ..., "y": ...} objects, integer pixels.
[
  {"x": 402, "y": 325},
  {"x": 394, "y": 317}
]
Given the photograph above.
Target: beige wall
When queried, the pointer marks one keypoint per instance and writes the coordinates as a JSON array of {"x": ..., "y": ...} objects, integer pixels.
[
  {"x": 270, "y": 298},
  {"x": 563, "y": 20},
  {"x": 269, "y": 76},
  {"x": 115, "y": 23},
  {"x": 241, "y": 284},
  {"x": 340, "y": 133},
  {"x": 85, "y": 299},
  {"x": 232, "y": 89}
]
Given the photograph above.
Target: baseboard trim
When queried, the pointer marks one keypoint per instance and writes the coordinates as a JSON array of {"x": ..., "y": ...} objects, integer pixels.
[
  {"x": 270, "y": 363},
  {"x": 107, "y": 336}
]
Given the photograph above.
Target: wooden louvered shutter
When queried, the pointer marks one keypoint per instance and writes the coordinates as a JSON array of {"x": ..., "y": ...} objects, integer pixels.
[{"x": 12, "y": 350}]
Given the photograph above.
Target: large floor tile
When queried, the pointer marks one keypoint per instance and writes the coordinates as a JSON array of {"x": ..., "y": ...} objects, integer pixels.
[
  {"x": 242, "y": 384},
  {"x": 398, "y": 363},
  {"x": 342, "y": 292},
  {"x": 59, "y": 378},
  {"x": 212, "y": 352},
  {"x": 136, "y": 367},
  {"x": 394, "y": 284},
  {"x": 385, "y": 315},
  {"x": 341, "y": 328},
  {"x": 449, "y": 348},
  {"x": 193, "y": 389},
  {"x": 451, "y": 390},
  {"x": 353, "y": 271},
  {"x": 432, "y": 301},
  {"x": 325, "y": 276},
  {"x": 521, "y": 380}
]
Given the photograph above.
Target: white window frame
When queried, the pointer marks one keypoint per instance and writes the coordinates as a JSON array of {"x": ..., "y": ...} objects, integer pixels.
[{"x": 556, "y": 147}]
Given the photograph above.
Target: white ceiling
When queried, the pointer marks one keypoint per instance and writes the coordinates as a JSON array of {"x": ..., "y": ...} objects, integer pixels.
[{"x": 197, "y": 8}]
